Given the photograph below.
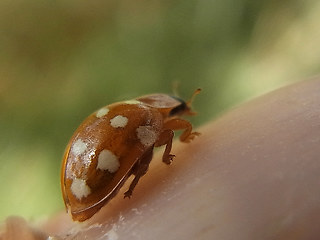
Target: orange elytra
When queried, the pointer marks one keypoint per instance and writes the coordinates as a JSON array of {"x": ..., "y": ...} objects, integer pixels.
[{"x": 115, "y": 142}]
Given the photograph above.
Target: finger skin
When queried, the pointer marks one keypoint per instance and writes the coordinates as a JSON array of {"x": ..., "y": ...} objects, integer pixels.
[{"x": 252, "y": 174}]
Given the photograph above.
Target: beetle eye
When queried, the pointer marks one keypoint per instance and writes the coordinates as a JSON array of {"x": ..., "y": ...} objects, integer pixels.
[{"x": 178, "y": 110}]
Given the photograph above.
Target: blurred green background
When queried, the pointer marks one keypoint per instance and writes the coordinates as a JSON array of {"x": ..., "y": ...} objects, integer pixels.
[{"x": 61, "y": 60}]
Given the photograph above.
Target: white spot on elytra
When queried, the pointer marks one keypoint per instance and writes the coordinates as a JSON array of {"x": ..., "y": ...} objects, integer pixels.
[
  {"x": 80, "y": 188},
  {"x": 146, "y": 135},
  {"x": 108, "y": 161},
  {"x": 102, "y": 112},
  {"x": 78, "y": 147},
  {"x": 133, "y": 101},
  {"x": 119, "y": 121}
]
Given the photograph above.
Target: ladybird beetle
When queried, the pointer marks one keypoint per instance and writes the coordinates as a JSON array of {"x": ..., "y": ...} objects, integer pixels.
[{"x": 115, "y": 142}]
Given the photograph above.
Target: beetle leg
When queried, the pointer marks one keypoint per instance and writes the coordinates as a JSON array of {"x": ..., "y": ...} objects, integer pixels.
[
  {"x": 139, "y": 169},
  {"x": 180, "y": 124},
  {"x": 165, "y": 138}
]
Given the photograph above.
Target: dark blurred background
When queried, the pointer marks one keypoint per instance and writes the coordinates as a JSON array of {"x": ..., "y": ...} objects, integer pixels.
[{"x": 61, "y": 60}]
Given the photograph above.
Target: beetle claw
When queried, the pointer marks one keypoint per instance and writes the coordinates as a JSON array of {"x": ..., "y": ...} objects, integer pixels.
[
  {"x": 191, "y": 137},
  {"x": 127, "y": 194},
  {"x": 169, "y": 159}
]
